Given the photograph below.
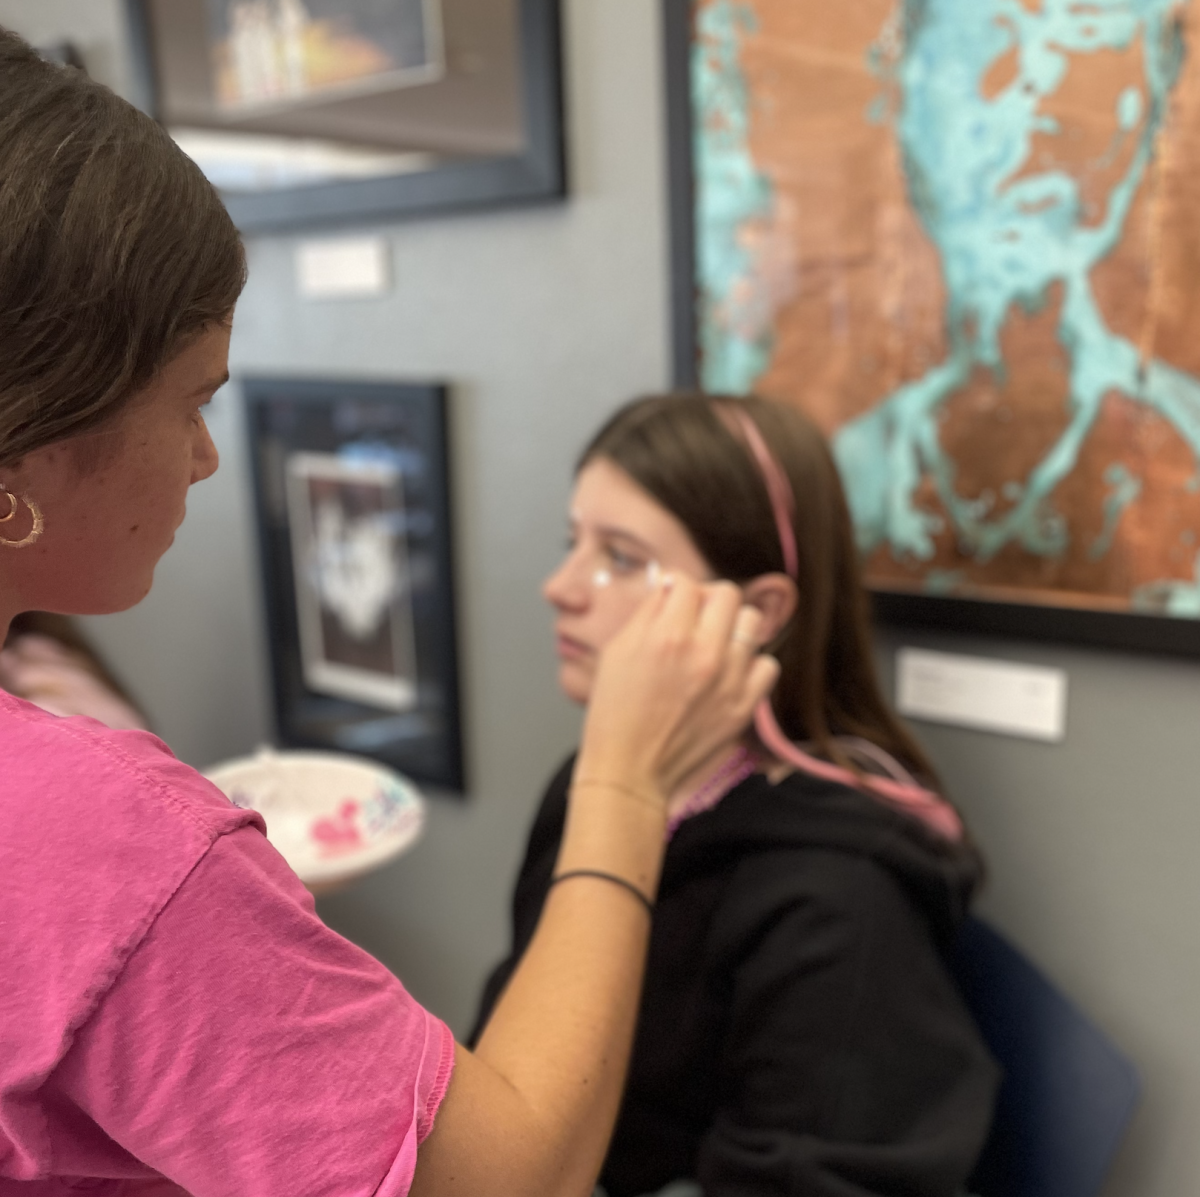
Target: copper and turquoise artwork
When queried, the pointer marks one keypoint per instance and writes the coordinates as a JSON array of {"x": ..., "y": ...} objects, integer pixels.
[{"x": 960, "y": 233}]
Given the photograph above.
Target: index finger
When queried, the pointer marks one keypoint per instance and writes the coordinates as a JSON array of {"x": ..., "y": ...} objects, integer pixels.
[
  {"x": 675, "y": 602},
  {"x": 719, "y": 613}
]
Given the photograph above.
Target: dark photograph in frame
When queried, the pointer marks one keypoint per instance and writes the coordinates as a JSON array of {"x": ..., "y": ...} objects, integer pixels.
[
  {"x": 324, "y": 112},
  {"x": 1018, "y": 443},
  {"x": 351, "y": 488}
]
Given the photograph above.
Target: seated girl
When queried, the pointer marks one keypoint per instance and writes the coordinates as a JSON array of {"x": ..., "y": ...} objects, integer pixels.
[{"x": 799, "y": 1031}]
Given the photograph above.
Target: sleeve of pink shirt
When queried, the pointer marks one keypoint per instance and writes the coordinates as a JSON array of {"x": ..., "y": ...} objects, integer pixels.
[{"x": 248, "y": 1049}]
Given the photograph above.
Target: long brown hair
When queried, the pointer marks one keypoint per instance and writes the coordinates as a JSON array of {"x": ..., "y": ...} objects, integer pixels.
[
  {"x": 115, "y": 251},
  {"x": 677, "y": 448}
]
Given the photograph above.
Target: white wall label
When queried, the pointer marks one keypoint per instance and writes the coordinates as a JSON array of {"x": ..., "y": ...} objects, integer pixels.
[
  {"x": 348, "y": 268},
  {"x": 998, "y": 696}
]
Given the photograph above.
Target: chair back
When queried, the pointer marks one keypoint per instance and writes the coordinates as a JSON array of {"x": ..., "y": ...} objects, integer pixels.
[{"x": 1067, "y": 1093}]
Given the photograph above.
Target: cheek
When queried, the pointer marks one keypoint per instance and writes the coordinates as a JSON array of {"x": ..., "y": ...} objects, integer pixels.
[
  {"x": 153, "y": 508},
  {"x": 612, "y": 611}
]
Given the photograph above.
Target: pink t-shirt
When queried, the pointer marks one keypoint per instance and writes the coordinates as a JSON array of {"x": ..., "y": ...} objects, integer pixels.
[{"x": 174, "y": 1018}]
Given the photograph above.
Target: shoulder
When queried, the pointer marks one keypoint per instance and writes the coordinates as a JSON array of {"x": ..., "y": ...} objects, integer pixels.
[
  {"x": 73, "y": 775},
  {"x": 810, "y": 845},
  {"x": 101, "y": 829}
]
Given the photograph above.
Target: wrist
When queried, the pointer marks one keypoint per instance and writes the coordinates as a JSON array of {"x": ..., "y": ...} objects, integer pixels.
[
  {"x": 646, "y": 794},
  {"x": 625, "y": 769},
  {"x": 616, "y": 828}
]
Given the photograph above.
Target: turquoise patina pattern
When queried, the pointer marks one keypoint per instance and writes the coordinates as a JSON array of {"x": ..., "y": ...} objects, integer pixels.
[
  {"x": 1123, "y": 489},
  {"x": 1005, "y": 233},
  {"x": 731, "y": 195}
]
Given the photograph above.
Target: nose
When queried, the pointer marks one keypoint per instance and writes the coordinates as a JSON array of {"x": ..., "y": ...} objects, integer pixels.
[
  {"x": 566, "y": 588},
  {"x": 205, "y": 457}
]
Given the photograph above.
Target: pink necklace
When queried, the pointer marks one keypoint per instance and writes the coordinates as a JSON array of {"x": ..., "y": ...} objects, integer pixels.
[{"x": 732, "y": 772}]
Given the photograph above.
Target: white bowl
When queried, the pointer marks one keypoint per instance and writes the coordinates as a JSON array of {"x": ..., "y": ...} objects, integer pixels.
[{"x": 330, "y": 816}]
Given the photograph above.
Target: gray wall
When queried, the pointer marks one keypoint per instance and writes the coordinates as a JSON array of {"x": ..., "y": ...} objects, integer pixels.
[
  {"x": 542, "y": 320},
  {"x": 1092, "y": 846}
]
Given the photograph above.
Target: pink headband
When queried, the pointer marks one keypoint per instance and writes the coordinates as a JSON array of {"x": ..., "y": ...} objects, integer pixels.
[
  {"x": 779, "y": 490},
  {"x": 899, "y": 789}
]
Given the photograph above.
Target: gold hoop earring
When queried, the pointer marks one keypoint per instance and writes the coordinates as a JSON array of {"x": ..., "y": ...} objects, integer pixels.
[{"x": 35, "y": 513}]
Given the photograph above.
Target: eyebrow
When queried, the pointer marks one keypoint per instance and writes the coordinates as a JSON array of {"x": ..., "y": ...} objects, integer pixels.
[
  {"x": 212, "y": 385},
  {"x": 621, "y": 534}
]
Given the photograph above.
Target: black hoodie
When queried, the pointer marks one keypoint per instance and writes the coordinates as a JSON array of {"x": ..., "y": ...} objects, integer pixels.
[{"x": 799, "y": 1032}]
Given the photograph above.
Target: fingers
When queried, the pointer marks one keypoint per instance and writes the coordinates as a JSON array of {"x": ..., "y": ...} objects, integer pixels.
[
  {"x": 672, "y": 600},
  {"x": 710, "y": 622},
  {"x": 680, "y": 680},
  {"x": 746, "y": 675},
  {"x": 747, "y": 627},
  {"x": 721, "y": 609}
]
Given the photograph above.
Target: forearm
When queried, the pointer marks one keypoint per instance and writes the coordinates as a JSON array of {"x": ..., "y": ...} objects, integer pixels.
[{"x": 550, "y": 1067}]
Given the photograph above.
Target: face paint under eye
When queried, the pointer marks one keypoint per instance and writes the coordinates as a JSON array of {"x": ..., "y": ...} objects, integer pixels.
[{"x": 650, "y": 573}]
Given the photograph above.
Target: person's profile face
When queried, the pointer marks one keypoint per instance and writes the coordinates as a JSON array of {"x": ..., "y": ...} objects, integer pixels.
[
  {"x": 619, "y": 540},
  {"x": 113, "y": 499}
]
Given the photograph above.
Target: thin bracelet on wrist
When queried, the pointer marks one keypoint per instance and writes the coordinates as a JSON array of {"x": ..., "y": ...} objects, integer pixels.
[
  {"x": 602, "y": 876},
  {"x": 656, "y": 804}
]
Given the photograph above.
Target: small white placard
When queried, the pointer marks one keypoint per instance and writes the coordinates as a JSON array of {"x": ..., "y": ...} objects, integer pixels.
[
  {"x": 348, "y": 268},
  {"x": 997, "y": 696}
]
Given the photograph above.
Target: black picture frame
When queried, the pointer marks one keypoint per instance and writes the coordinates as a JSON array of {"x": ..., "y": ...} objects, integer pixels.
[
  {"x": 289, "y": 417},
  {"x": 986, "y": 617},
  {"x": 536, "y": 175}
]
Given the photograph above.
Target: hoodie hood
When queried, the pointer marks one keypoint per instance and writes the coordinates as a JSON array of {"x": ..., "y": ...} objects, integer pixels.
[{"x": 800, "y": 811}]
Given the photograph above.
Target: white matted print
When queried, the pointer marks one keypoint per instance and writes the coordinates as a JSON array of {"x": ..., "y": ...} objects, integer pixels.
[{"x": 353, "y": 586}]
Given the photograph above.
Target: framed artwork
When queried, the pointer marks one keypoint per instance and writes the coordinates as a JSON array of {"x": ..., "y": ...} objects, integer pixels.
[
  {"x": 962, "y": 237},
  {"x": 352, "y": 501},
  {"x": 352, "y": 578},
  {"x": 308, "y": 112}
]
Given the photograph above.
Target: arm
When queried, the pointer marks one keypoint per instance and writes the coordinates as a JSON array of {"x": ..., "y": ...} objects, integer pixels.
[{"x": 532, "y": 1110}]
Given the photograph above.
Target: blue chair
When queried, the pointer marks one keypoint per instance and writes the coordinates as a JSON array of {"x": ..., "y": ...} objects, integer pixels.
[{"x": 1067, "y": 1093}]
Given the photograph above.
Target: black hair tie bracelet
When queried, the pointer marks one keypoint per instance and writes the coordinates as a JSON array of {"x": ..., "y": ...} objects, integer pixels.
[{"x": 633, "y": 889}]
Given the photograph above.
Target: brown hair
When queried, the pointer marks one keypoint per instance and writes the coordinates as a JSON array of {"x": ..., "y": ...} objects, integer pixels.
[
  {"x": 115, "y": 251},
  {"x": 678, "y": 449}
]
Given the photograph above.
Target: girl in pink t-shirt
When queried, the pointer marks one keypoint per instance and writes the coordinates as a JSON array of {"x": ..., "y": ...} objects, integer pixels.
[{"x": 174, "y": 1018}]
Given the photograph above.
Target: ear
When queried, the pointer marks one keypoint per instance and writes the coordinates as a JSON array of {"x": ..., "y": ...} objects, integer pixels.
[{"x": 776, "y": 596}]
